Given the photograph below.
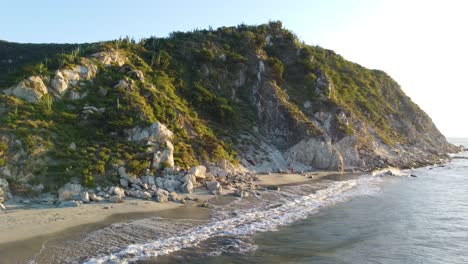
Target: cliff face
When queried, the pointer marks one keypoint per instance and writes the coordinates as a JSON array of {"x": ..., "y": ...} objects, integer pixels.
[{"x": 249, "y": 95}]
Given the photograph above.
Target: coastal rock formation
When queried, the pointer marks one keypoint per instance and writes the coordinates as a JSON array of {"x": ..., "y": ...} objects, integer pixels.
[{"x": 205, "y": 106}]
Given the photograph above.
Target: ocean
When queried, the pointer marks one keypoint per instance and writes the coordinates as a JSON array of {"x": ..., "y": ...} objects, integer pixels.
[{"x": 353, "y": 219}]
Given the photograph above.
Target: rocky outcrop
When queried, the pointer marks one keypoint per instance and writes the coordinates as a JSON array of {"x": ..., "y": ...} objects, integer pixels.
[
  {"x": 110, "y": 57},
  {"x": 5, "y": 193},
  {"x": 316, "y": 153},
  {"x": 66, "y": 79},
  {"x": 30, "y": 89},
  {"x": 157, "y": 138}
]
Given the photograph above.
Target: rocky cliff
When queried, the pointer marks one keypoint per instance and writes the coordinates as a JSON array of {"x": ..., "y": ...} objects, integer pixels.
[{"x": 251, "y": 96}]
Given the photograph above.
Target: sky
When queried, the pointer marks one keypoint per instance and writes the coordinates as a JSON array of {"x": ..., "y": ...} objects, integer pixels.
[{"x": 423, "y": 45}]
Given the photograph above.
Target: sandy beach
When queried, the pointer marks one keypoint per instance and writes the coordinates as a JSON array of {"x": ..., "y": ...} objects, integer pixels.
[{"x": 21, "y": 224}]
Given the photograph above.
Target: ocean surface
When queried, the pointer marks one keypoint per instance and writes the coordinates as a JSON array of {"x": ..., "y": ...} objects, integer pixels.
[{"x": 371, "y": 218}]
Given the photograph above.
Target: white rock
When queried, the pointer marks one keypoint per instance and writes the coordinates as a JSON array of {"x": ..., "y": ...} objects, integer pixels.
[
  {"x": 30, "y": 89},
  {"x": 85, "y": 197},
  {"x": 72, "y": 146},
  {"x": 198, "y": 171},
  {"x": 147, "y": 195},
  {"x": 119, "y": 191},
  {"x": 110, "y": 57}
]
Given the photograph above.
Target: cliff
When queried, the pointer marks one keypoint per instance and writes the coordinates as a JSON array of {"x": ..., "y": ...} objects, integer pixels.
[{"x": 248, "y": 96}]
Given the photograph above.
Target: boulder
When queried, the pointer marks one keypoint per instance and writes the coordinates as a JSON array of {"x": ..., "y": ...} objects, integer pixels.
[
  {"x": 5, "y": 193},
  {"x": 162, "y": 196},
  {"x": 119, "y": 191},
  {"x": 187, "y": 187},
  {"x": 173, "y": 196},
  {"x": 242, "y": 193},
  {"x": 30, "y": 89},
  {"x": 172, "y": 185},
  {"x": 67, "y": 78},
  {"x": 198, "y": 171},
  {"x": 148, "y": 180},
  {"x": 213, "y": 187},
  {"x": 70, "y": 191},
  {"x": 95, "y": 198},
  {"x": 85, "y": 197},
  {"x": 124, "y": 182},
  {"x": 147, "y": 195},
  {"x": 316, "y": 153},
  {"x": 116, "y": 199},
  {"x": 123, "y": 174},
  {"x": 2, "y": 207}
]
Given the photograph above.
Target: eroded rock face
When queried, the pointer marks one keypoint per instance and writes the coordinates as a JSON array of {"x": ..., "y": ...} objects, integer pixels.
[
  {"x": 30, "y": 89},
  {"x": 316, "y": 153}
]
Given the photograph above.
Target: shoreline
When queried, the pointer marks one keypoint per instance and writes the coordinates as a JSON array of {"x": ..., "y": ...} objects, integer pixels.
[{"x": 23, "y": 224}]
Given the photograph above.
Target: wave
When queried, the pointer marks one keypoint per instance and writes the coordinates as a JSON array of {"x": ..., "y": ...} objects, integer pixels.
[{"x": 249, "y": 221}]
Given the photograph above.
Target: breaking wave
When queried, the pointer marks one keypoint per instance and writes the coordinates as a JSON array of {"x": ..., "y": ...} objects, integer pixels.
[{"x": 294, "y": 206}]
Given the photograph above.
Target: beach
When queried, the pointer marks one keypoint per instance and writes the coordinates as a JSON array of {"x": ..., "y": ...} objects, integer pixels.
[{"x": 25, "y": 230}]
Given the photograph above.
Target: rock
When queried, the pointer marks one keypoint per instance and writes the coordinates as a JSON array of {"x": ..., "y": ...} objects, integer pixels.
[
  {"x": 65, "y": 79},
  {"x": 173, "y": 197},
  {"x": 316, "y": 153},
  {"x": 69, "y": 191},
  {"x": 172, "y": 185},
  {"x": 123, "y": 174},
  {"x": 116, "y": 199},
  {"x": 242, "y": 193},
  {"x": 110, "y": 57},
  {"x": 162, "y": 196},
  {"x": 147, "y": 195},
  {"x": 198, "y": 171},
  {"x": 414, "y": 176},
  {"x": 187, "y": 187},
  {"x": 2, "y": 206},
  {"x": 148, "y": 180},
  {"x": 137, "y": 187},
  {"x": 30, "y": 89},
  {"x": 124, "y": 182},
  {"x": 95, "y": 198},
  {"x": 273, "y": 188},
  {"x": 124, "y": 84},
  {"x": 85, "y": 197},
  {"x": 214, "y": 187},
  {"x": 137, "y": 74},
  {"x": 5, "y": 193},
  {"x": 69, "y": 204},
  {"x": 119, "y": 191}
]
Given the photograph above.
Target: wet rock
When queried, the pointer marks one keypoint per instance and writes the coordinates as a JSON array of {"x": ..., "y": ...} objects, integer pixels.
[
  {"x": 242, "y": 193},
  {"x": 273, "y": 188}
]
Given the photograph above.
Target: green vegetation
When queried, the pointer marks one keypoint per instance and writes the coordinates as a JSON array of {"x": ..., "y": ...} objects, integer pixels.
[{"x": 199, "y": 84}]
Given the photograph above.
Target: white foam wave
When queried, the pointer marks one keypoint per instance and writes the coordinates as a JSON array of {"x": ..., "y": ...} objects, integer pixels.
[
  {"x": 249, "y": 221},
  {"x": 390, "y": 171}
]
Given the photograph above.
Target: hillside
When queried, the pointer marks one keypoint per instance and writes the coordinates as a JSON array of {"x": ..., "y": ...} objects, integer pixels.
[{"x": 250, "y": 96}]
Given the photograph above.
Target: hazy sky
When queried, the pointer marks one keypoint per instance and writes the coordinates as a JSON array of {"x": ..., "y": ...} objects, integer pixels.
[{"x": 421, "y": 44}]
